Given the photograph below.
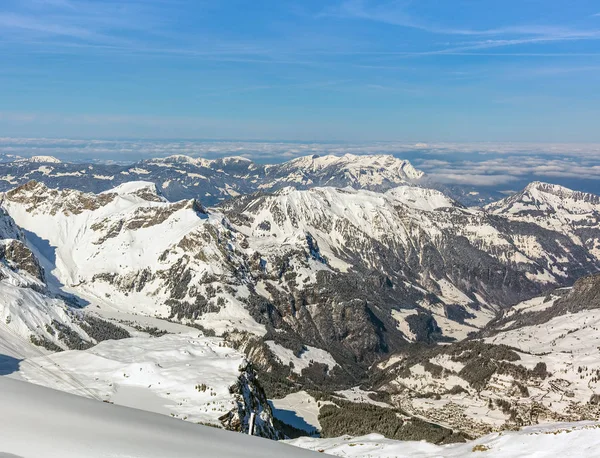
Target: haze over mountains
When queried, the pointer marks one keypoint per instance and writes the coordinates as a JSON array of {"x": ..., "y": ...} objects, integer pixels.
[{"x": 347, "y": 281}]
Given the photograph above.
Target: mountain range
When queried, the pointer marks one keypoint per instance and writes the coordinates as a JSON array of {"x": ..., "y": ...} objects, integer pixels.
[
  {"x": 215, "y": 180},
  {"x": 325, "y": 273}
]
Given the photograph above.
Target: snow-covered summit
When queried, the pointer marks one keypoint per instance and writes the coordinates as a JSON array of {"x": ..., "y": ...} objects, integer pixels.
[
  {"x": 572, "y": 213},
  {"x": 144, "y": 190},
  {"x": 41, "y": 160},
  {"x": 547, "y": 198},
  {"x": 386, "y": 165}
]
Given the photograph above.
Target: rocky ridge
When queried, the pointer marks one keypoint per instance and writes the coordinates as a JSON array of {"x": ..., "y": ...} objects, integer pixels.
[{"x": 359, "y": 273}]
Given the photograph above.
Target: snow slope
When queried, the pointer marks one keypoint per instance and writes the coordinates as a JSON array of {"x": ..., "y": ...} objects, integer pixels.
[
  {"x": 311, "y": 354},
  {"x": 39, "y": 422},
  {"x": 554, "y": 440},
  {"x": 158, "y": 374},
  {"x": 130, "y": 247},
  {"x": 299, "y": 410},
  {"x": 28, "y": 311}
]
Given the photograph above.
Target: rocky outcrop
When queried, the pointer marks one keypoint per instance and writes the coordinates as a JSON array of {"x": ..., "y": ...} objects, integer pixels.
[
  {"x": 19, "y": 257},
  {"x": 252, "y": 403}
]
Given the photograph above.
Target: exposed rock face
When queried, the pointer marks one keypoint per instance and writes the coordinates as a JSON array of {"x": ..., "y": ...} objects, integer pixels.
[
  {"x": 585, "y": 295},
  {"x": 17, "y": 256},
  {"x": 69, "y": 202},
  {"x": 251, "y": 399}
]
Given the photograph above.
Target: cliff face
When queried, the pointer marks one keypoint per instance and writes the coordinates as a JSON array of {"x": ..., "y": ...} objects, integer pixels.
[
  {"x": 250, "y": 398},
  {"x": 585, "y": 295},
  {"x": 20, "y": 258}
]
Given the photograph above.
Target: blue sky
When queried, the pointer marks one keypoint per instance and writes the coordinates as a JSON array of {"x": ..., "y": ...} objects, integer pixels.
[{"x": 343, "y": 70}]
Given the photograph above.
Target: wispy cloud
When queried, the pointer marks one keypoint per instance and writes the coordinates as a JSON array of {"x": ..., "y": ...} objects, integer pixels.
[
  {"x": 98, "y": 23},
  {"x": 150, "y": 28},
  {"x": 391, "y": 13}
]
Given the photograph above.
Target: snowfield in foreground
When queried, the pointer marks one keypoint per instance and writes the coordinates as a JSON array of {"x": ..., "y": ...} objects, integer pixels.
[
  {"x": 38, "y": 422},
  {"x": 556, "y": 440},
  {"x": 179, "y": 375}
]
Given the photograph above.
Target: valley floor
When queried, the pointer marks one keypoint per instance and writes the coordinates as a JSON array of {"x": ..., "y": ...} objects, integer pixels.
[{"x": 553, "y": 440}]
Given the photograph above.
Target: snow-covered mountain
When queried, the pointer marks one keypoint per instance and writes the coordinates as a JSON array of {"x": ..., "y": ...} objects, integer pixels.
[
  {"x": 133, "y": 249},
  {"x": 429, "y": 252},
  {"x": 319, "y": 287},
  {"x": 360, "y": 172},
  {"x": 556, "y": 208},
  {"x": 354, "y": 273},
  {"x": 30, "y": 313},
  {"x": 214, "y": 180},
  {"x": 41, "y": 160},
  {"x": 45, "y": 338}
]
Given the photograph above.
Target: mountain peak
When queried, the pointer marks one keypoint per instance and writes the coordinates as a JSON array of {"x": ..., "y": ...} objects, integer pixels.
[
  {"x": 544, "y": 198},
  {"x": 547, "y": 188},
  {"x": 368, "y": 171},
  {"x": 31, "y": 187},
  {"x": 179, "y": 159},
  {"x": 544, "y": 191},
  {"x": 145, "y": 190},
  {"x": 42, "y": 160}
]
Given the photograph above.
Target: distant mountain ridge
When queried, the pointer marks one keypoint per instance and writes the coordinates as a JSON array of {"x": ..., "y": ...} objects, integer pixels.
[{"x": 214, "y": 180}]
